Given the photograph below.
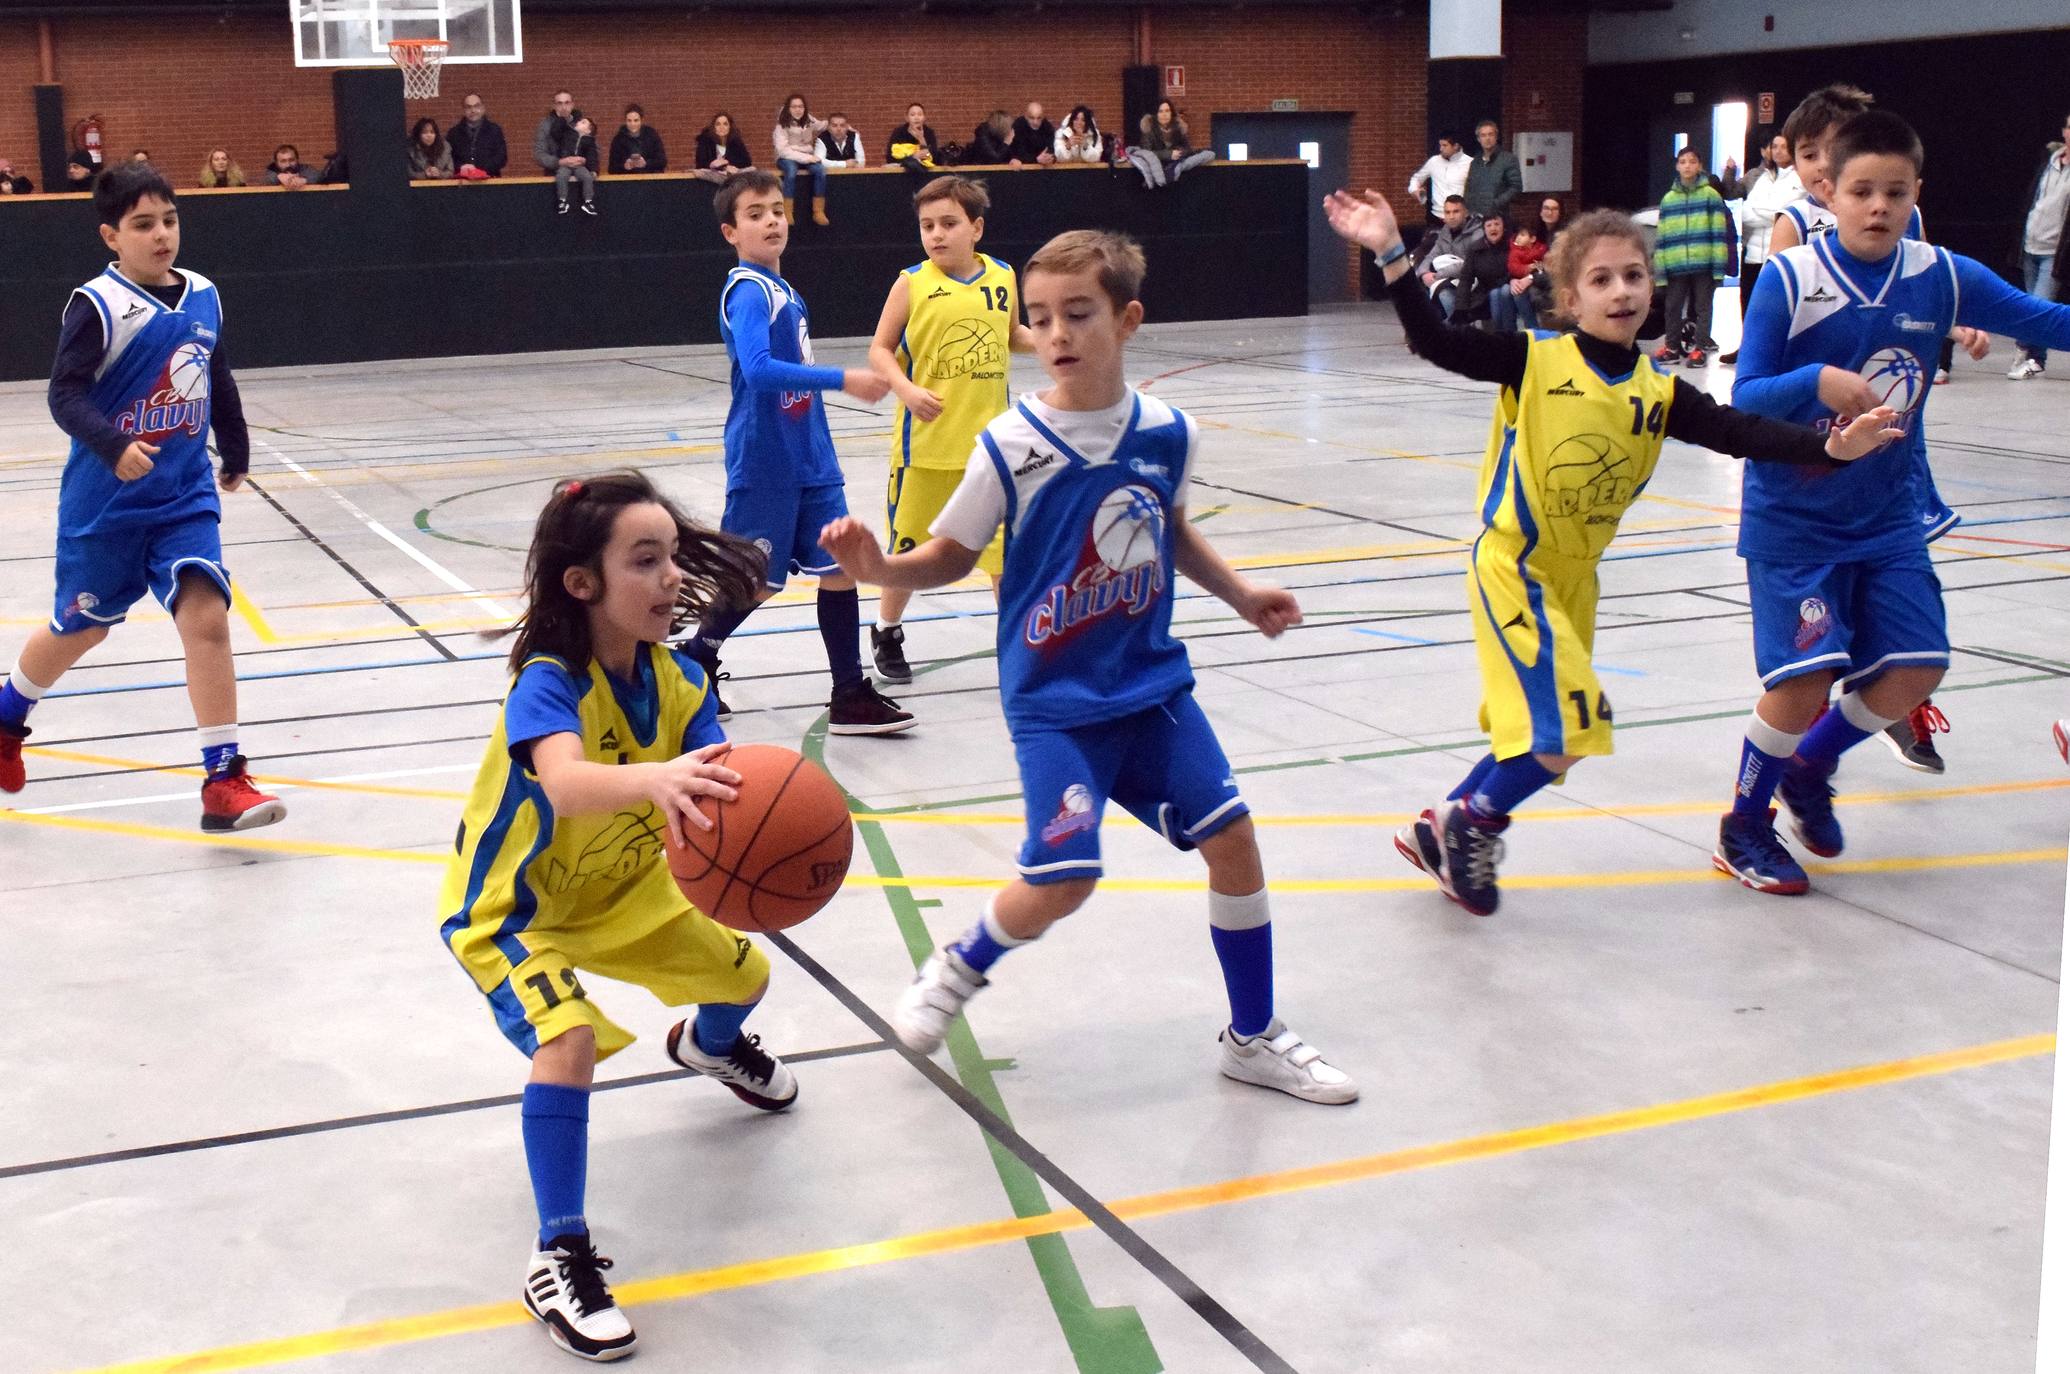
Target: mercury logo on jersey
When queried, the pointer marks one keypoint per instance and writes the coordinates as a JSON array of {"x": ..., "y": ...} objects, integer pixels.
[
  {"x": 177, "y": 401},
  {"x": 1120, "y": 567}
]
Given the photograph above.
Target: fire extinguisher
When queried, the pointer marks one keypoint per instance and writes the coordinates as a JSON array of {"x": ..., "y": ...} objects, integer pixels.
[{"x": 87, "y": 135}]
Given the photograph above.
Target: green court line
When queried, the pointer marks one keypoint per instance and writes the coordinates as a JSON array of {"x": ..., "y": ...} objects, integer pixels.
[{"x": 1102, "y": 1340}]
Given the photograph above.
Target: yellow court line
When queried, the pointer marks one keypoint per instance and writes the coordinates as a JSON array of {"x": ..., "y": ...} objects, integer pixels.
[
  {"x": 1575, "y": 813},
  {"x": 251, "y": 615},
  {"x": 948, "y": 1240},
  {"x": 1282, "y": 886},
  {"x": 314, "y": 784}
]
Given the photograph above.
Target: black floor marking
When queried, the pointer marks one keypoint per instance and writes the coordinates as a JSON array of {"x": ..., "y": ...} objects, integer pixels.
[
  {"x": 2013, "y": 661},
  {"x": 1326, "y": 510},
  {"x": 354, "y": 573},
  {"x": 347, "y": 1123},
  {"x": 1224, "y": 1322}
]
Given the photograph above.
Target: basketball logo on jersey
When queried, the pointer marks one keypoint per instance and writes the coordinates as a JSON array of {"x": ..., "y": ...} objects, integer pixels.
[
  {"x": 1813, "y": 621},
  {"x": 1588, "y": 481},
  {"x": 178, "y": 399},
  {"x": 967, "y": 346},
  {"x": 631, "y": 840},
  {"x": 1120, "y": 567},
  {"x": 1898, "y": 378}
]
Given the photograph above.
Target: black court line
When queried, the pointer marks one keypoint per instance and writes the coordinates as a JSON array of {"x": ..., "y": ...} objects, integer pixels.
[
  {"x": 1224, "y": 1322},
  {"x": 347, "y": 1123},
  {"x": 2012, "y": 661},
  {"x": 354, "y": 573}
]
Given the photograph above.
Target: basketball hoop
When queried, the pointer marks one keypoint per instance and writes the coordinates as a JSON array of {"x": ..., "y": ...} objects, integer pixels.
[{"x": 420, "y": 60}]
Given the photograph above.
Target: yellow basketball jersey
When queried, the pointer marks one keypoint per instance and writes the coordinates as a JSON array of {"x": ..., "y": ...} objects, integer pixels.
[
  {"x": 1571, "y": 449},
  {"x": 955, "y": 345},
  {"x": 518, "y": 866}
]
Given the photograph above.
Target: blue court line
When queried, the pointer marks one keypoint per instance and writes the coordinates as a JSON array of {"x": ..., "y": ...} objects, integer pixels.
[{"x": 1384, "y": 634}]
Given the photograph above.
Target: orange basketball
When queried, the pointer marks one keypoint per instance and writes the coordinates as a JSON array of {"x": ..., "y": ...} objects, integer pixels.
[{"x": 776, "y": 854}]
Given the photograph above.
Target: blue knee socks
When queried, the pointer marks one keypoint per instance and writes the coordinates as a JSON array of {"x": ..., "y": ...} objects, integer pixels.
[
  {"x": 18, "y": 697},
  {"x": 982, "y": 945},
  {"x": 1472, "y": 779},
  {"x": 556, "y": 1124},
  {"x": 1762, "y": 755},
  {"x": 1504, "y": 787},
  {"x": 717, "y": 1026},
  {"x": 1838, "y": 731},
  {"x": 1241, "y": 928}
]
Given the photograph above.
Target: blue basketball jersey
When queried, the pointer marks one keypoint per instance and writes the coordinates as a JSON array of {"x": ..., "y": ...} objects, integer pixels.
[
  {"x": 1814, "y": 220},
  {"x": 775, "y": 438},
  {"x": 153, "y": 384},
  {"x": 1085, "y": 598},
  {"x": 1823, "y": 307}
]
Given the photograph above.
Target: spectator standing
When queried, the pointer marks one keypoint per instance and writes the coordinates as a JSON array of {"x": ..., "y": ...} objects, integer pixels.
[
  {"x": 548, "y": 137},
  {"x": 636, "y": 147},
  {"x": 1079, "y": 140},
  {"x": 430, "y": 158},
  {"x": 1493, "y": 178},
  {"x": 840, "y": 145},
  {"x": 1033, "y": 139},
  {"x": 2042, "y": 246},
  {"x": 913, "y": 144},
  {"x": 286, "y": 168},
  {"x": 1772, "y": 186},
  {"x": 477, "y": 141},
  {"x": 991, "y": 143},
  {"x": 219, "y": 169},
  {"x": 1165, "y": 151},
  {"x": 1688, "y": 258},
  {"x": 797, "y": 145},
  {"x": 1442, "y": 176},
  {"x": 722, "y": 153},
  {"x": 12, "y": 185},
  {"x": 1441, "y": 256}
]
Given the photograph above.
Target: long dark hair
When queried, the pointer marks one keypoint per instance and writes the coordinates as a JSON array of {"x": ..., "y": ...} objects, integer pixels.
[
  {"x": 783, "y": 116},
  {"x": 438, "y": 140},
  {"x": 573, "y": 531}
]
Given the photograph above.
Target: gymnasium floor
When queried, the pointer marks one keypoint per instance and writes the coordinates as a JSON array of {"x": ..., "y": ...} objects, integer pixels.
[{"x": 1641, "y": 1119}]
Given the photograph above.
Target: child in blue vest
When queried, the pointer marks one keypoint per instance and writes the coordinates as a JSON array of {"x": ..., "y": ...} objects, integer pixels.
[
  {"x": 1089, "y": 479},
  {"x": 1840, "y": 583},
  {"x": 783, "y": 481},
  {"x": 139, "y": 381}
]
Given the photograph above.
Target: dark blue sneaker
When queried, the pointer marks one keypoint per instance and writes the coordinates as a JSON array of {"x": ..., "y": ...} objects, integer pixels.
[
  {"x": 1471, "y": 847},
  {"x": 1808, "y": 792},
  {"x": 1751, "y": 851},
  {"x": 1417, "y": 842}
]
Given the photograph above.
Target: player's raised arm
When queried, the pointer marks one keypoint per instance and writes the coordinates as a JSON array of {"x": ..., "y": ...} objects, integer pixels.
[{"x": 936, "y": 563}]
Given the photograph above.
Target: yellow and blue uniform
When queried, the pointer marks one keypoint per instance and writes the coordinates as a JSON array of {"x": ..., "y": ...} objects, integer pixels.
[
  {"x": 1570, "y": 449},
  {"x": 956, "y": 344},
  {"x": 531, "y": 899}
]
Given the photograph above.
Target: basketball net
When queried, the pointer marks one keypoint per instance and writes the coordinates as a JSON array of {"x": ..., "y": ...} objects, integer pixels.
[{"x": 420, "y": 60}]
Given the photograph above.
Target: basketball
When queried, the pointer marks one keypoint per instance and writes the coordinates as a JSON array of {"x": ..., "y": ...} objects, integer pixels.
[{"x": 777, "y": 853}]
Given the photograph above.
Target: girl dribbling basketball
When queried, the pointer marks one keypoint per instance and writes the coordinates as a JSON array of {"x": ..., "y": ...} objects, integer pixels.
[{"x": 606, "y": 737}]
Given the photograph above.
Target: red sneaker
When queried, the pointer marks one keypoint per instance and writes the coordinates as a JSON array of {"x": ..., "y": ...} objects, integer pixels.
[
  {"x": 2062, "y": 733},
  {"x": 1911, "y": 739},
  {"x": 231, "y": 802},
  {"x": 13, "y": 777}
]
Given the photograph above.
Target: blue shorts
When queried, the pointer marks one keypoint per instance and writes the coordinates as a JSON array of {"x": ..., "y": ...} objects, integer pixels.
[
  {"x": 784, "y": 523},
  {"x": 100, "y": 576},
  {"x": 1855, "y": 619},
  {"x": 1164, "y": 766}
]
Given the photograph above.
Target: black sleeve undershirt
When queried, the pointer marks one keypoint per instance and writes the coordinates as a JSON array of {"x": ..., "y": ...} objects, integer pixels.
[{"x": 81, "y": 347}]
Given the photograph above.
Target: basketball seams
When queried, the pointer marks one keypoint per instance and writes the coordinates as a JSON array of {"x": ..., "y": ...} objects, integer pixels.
[
  {"x": 733, "y": 875},
  {"x": 758, "y": 883}
]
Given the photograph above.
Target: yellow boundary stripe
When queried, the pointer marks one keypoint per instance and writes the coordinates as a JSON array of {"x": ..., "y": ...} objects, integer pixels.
[
  {"x": 754, "y": 1273},
  {"x": 251, "y": 615},
  {"x": 1576, "y": 812},
  {"x": 1285, "y": 886}
]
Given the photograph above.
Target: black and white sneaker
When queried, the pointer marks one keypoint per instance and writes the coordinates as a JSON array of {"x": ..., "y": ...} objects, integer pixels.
[
  {"x": 565, "y": 1290},
  {"x": 756, "y": 1076},
  {"x": 863, "y": 710},
  {"x": 589, "y": 207},
  {"x": 560, "y": 207},
  {"x": 888, "y": 648}
]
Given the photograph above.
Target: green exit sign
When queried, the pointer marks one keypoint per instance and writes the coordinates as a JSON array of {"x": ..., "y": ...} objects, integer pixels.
[{"x": 1285, "y": 106}]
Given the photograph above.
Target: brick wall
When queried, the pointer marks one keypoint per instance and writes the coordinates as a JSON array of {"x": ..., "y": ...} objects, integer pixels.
[{"x": 683, "y": 66}]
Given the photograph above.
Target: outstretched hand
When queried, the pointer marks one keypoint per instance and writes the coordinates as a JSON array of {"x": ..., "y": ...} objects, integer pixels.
[
  {"x": 854, "y": 547},
  {"x": 1366, "y": 220},
  {"x": 1864, "y": 434}
]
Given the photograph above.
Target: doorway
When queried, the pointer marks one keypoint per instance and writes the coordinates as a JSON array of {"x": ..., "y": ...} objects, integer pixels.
[{"x": 1323, "y": 141}]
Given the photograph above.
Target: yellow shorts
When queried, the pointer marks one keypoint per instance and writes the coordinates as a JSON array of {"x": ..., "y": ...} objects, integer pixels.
[
  {"x": 1534, "y": 632},
  {"x": 532, "y": 983},
  {"x": 915, "y": 497}
]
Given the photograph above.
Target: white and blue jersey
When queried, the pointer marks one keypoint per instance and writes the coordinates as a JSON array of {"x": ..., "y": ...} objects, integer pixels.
[
  {"x": 1820, "y": 306},
  {"x": 1096, "y": 690},
  {"x": 153, "y": 385},
  {"x": 776, "y": 430}
]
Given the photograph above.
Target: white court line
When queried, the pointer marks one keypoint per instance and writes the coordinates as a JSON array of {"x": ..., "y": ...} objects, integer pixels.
[
  {"x": 188, "y": 795},
  {"x": 422, "y": 559}
]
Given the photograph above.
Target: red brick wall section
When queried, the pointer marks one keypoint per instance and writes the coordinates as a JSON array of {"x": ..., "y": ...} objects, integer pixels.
[{"x": 238, "y": 85}]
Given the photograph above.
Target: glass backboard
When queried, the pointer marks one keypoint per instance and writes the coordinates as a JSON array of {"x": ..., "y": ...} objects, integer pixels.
[{"x": 355, "y": 33}]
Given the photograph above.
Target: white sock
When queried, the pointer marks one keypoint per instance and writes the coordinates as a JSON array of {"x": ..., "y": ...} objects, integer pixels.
[
  {"x": 1861, "y": 717},
  {"x": 1778, "y": 744},
  {"x": 19, "y": 680}
]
